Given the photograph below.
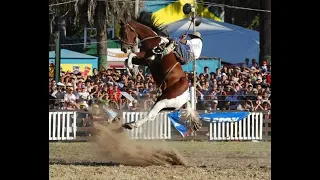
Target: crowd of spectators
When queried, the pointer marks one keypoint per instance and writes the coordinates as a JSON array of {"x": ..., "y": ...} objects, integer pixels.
[{"x": 231, "y": 87}]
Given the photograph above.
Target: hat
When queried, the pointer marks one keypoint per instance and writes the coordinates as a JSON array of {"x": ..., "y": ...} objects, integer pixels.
[
  {"x": 195, "y": 35},
  {"x": 84, "y": 103},
  {"x": 69, "y": 84},
  {"x": 60, "y": 84},
  {"x": 223, "y": 74}
]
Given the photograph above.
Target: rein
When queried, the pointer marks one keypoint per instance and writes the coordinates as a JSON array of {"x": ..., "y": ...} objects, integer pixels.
[
  {"x": 136, "y": 40},
  {"x": 167, "y": 74}
]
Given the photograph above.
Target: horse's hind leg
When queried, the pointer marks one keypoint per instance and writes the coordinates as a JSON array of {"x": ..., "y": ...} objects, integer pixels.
[{"x": 166, "y": 100}]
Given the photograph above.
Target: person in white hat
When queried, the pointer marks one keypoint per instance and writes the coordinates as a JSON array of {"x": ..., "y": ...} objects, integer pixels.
[{"x": 186, "y": 50}]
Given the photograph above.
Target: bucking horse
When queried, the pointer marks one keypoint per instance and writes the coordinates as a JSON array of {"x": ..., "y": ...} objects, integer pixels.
[{"x": 165, "y": 68}]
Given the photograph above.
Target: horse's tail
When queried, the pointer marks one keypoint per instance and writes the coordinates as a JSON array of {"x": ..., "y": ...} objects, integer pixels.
[{"x": 191, "y": 117}]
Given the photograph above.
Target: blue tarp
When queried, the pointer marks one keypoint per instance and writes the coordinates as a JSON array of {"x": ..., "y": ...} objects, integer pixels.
[{"x": 229, "y": 42}]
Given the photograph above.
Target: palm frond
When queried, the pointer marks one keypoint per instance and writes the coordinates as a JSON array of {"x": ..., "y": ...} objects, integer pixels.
[{"x": 91, "y": 11}]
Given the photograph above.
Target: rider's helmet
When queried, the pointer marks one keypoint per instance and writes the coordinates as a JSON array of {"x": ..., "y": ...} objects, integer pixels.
[{"x": 195, "y": 35}]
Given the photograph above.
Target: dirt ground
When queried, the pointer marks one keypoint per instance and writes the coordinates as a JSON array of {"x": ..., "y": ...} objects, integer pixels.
[{"x": 206, "y": 160}]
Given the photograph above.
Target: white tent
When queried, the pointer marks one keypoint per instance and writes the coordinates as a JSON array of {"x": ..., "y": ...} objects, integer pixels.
[{"x": 229, "y": 42}]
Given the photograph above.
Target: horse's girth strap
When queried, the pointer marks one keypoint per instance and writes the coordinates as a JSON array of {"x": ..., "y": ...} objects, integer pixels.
[{"x": 167, "y": 74}]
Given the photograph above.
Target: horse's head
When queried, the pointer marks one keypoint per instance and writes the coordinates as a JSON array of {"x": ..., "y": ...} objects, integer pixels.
[{"x": 128, "y": 37}]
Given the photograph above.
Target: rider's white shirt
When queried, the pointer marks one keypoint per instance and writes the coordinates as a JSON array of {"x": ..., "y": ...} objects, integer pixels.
[{"x": 195, "y": 46}]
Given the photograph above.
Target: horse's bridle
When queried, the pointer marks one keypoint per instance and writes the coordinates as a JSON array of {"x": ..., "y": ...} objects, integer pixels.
[{"x": 136, "y": 39}]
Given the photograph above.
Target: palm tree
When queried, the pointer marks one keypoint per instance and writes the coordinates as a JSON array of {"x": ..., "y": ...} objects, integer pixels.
[
  {"x": 97, "y": 13},
  {"x": 57, "y": 19},
  {"x": 265, "y": 31}
]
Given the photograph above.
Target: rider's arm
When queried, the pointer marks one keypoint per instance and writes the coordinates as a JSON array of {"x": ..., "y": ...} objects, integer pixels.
[{"x": 183, "y": 39}]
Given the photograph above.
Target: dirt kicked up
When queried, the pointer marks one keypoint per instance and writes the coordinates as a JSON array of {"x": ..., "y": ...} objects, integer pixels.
[{"x": 115, "y": 145}]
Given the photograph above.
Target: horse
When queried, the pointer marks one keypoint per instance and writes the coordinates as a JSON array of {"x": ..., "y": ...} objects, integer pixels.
[{"x": 165, "y": 69}]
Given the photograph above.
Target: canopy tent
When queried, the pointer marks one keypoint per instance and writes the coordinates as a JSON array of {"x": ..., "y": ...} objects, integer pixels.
[
  {"x": 115, "y": 56},
  {"x": 168, "y": 11},
  {"x": 75, "y": 61},
  {"x": 92, "y": 48},
  {"x": 229, "y": 42}
]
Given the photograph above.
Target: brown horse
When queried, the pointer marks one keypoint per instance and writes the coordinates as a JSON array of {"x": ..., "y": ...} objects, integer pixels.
[{"x": 165, "y": 69}]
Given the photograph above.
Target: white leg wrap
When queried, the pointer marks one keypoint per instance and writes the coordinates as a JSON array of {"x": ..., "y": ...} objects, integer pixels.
[{"x": 129, "y": 63}]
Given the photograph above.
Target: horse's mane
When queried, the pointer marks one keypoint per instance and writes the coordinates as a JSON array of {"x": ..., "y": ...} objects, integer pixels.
[{"x": 147, "y": 19}]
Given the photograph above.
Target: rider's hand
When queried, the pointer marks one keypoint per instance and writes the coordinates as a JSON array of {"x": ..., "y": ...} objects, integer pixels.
[{"x": 184, "y": 36}]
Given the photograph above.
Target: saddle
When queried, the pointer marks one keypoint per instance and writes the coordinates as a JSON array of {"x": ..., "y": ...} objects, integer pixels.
[{"x": 162, "y": 49}]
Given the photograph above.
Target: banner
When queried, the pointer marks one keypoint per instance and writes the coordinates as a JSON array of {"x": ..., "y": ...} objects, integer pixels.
[
  {"x": 177, "y": 123},
  {"x": 85, "y": 69},
  {"x": 209, "y": 117},
  {"x": 224, "y": 116},
  {"x": 115, "y": 54}
]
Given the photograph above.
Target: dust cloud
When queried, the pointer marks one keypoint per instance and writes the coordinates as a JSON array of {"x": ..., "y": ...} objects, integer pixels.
[{"x": 112, "y": 143}]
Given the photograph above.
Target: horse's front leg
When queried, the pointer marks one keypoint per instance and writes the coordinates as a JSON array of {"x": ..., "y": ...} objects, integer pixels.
[{"x": 134, "y": 60}]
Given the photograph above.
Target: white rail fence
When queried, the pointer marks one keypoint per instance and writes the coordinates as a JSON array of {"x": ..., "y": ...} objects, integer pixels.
[
  {"x": 249, "y": 128},
  {"x": 160, "y": 128},
  {"x": 62, "y": 126}
]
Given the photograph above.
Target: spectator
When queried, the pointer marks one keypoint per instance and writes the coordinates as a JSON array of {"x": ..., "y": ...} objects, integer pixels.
[
  {"x": 70, "y": 99},
  {"x": 206, "y": 73},
  {"x": 134, "y": 106},
  {"x": 227, "y": 88},
  {"x": 58, "y": 94}
]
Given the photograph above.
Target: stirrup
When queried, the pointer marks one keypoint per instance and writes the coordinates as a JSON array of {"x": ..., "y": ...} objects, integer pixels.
[{"x": 157, "y": 50}]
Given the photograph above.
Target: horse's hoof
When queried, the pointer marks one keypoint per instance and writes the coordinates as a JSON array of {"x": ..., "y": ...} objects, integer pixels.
[{"x": 127, "y": 126}]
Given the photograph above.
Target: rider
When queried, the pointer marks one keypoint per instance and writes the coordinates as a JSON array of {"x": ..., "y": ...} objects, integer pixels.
[{"x": 187, "y": 50}]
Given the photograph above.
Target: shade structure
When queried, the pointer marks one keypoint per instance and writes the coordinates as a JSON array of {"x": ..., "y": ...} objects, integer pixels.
[{"x": 229, "y": 42}]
